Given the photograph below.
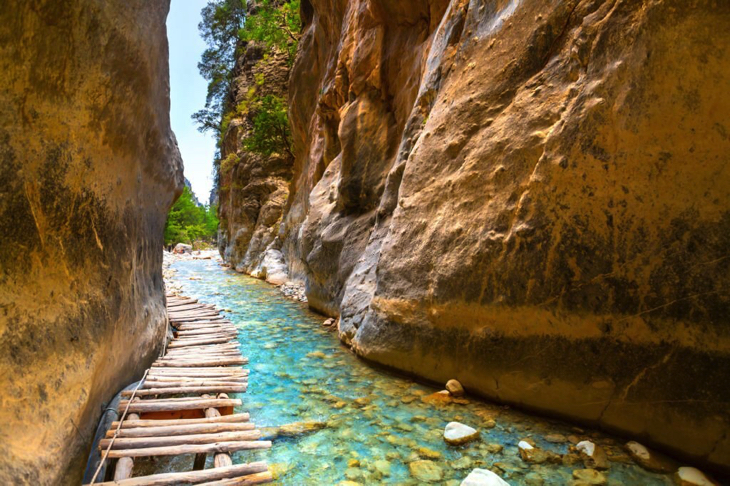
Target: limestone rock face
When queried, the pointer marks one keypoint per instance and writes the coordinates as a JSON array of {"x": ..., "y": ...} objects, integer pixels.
[
  {"x": 88, "y": 169},
  {"x": 253, "y": 188},
  {"x": 533, "y": 196}
]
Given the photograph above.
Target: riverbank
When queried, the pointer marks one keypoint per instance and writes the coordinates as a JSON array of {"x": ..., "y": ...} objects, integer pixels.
[{"x": 379, "y": 427}]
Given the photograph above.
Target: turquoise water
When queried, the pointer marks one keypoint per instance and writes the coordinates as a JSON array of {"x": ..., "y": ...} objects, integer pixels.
[{"x": 380, "y": 428}]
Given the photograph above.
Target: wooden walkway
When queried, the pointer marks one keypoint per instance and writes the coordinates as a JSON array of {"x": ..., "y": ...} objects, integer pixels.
[{"x": 202, "y": 365}]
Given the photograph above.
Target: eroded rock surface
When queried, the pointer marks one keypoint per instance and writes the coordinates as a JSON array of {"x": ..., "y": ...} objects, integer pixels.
[
  {"x": 88, "y": 169},
  {"x": 532, "y": 196}
]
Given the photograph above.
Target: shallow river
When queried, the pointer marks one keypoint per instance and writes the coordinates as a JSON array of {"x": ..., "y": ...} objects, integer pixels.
[{"x": 380, "y": 428}]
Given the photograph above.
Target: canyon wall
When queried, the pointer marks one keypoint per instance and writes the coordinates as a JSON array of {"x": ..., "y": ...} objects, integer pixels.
[
  {"x": 253, "y": 187},
  {"x": 530, "y": 196},
  {"x": 88, "y": 169}
]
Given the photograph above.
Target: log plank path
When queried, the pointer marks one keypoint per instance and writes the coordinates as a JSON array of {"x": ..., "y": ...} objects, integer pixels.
[{"x": 182, "y": 406}]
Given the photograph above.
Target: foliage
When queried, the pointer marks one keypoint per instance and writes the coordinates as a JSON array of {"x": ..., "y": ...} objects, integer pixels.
[
  {"x": 220, "y": 27},
  {"x": 276, "y": 26},
  {"x": 271, "y": 132},
  {"x": 187, "y": 222}
]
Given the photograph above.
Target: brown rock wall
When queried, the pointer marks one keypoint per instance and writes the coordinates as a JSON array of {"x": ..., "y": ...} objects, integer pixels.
[
  {"x": 528, "y": 196},
  {"x": 88, "y": 169}
]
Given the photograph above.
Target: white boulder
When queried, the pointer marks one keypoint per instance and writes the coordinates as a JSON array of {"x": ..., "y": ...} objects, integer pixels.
[{"x": 483, "y": 477}]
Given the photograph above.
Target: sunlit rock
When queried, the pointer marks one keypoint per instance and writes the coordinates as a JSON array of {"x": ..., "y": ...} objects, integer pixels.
[
  {"x": 457, "y": 433},
  {"x": 455, "y": 388},
  {"x": 690, "y": 476},
  {"x": 594, "y": 457},
  {"x": 483, "y": 477}
]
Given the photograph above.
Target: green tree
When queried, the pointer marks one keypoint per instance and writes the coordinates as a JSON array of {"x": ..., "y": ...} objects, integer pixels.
[
  {"x": 277, "y": 24},
  {"x": 220, "y": 27},
  {"x": 187, "y": 222}
]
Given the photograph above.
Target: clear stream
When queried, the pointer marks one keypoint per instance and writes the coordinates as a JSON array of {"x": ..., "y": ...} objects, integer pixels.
[{"x": 380, "y": 428}]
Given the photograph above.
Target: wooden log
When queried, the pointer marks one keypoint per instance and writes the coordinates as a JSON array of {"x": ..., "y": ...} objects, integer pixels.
[
  {"x": 258, "y": 478},
  {"x": 191, "y": 449},
  {"x": 125, "y": 465},
  {"x": 196, "y": 477},
  {"x": 170, "y": 406},
  {"x": 235, "y": 418},
  {"x": 204, "y": 370},
  {"x": 190, "y": 389},
  {"x": 184, "y": 363},
  {"x": 213, "y": 373},
  {"x": 211, "y": 330},
  {"x": 171, "y": 430},
  {"x": 175, "y": 344},
  {"x": 168, "y": 441},
  {"x": 151, "y": 384}
]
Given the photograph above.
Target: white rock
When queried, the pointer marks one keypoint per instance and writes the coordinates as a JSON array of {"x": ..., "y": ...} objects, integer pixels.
[
  {"x": 638, "y": 450},
  {"x": 525, "y": 446},
  {"x": 456, "y": 433},
  {"x": 483, "y": 477},
  {"x": 689, "y": 476},
  {"x": 587, "y": 447}
]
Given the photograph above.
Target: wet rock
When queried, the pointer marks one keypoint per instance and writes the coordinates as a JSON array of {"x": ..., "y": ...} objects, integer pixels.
[
  {"x": 439, "y": 398},
  {"x": 353, "y": 463},
  {"x": 534, "y": 479},
  {"x": 316, "y": 354},
  {"x": 489, "y": 424},
  {"x": 556, "y": 438},
  {"x": 292, "y": 430},
  {"x": 457, "y": 433},
  {"x": 455, "y": 388},
  {"x": 426, "y": 471},
  {"x": 464, "y": 462},
  {"x": 494, "y": 448},
  {"x": 650, "y": 460},
  {"x": 483, "y": 477},
  {"x": 182, "y": 248},
  {"x": 689, "y": 476},
  {"x": 594, "y": 457},
  {"x": 383, "y": 467},
  {"x": 588, "y": 476},
  {"x": 428, "y": 453},
  {"x": 361, "y": 402},
  {"x": 530, "y": 453}
]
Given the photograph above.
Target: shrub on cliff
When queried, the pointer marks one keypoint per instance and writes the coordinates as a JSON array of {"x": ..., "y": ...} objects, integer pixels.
[{"x": 271, "y": 132}]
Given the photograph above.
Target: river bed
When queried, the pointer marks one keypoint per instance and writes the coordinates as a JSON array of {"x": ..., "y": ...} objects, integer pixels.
[{"x": 378, "y": 427}]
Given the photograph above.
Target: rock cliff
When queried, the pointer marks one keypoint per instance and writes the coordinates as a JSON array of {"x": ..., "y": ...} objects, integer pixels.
[
  {"x": 529, "y": 196},
  {"x": 88, "y": 169},
  {"x": 253, "y": 187}
]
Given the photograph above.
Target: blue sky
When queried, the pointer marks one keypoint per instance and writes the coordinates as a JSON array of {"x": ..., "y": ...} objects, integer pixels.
[{"x": 187, "y": 94}]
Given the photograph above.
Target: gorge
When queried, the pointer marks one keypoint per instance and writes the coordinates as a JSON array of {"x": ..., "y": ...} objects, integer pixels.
[{"x": 531, "y": 197}]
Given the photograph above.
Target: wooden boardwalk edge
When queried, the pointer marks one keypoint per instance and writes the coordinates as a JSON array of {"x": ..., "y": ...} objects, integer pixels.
[{"x": 182, "y": 406}]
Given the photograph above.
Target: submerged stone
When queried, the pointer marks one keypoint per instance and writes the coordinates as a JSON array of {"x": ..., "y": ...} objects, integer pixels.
[
  {"x": 589, "y": 476},
  {"x": 426, "y": 471}
]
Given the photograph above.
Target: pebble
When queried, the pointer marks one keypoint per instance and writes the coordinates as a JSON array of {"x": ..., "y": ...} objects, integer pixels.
[
  {"x": 483, "y": 477},
  {"x": 651, "y": 461},
  {"x": 457, "y": 433},
  {"x": 594, "y": 457},
  {"x": 426, "y": 471},
  {"x": 589, "y": 476},
  {"x": 455, "y": 388}
]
